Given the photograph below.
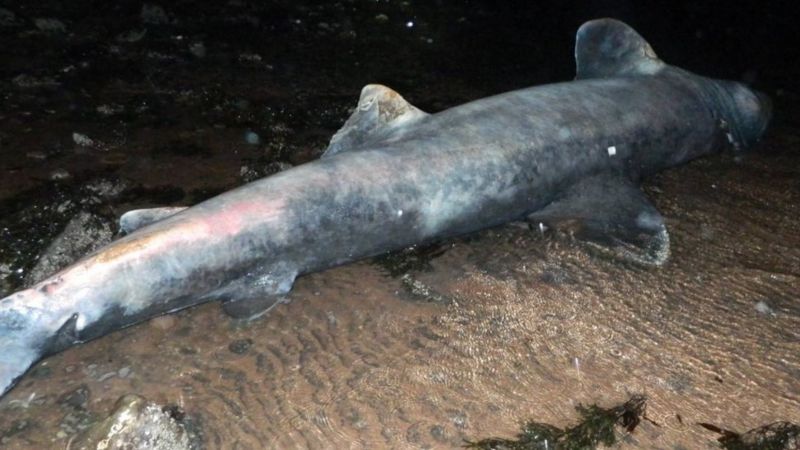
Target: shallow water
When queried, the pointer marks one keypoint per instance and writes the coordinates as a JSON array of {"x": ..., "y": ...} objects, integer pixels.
[{"x": 497, "y": 328}]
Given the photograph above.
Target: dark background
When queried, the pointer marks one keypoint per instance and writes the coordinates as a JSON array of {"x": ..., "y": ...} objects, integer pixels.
[{"x": 492, "y": 45}]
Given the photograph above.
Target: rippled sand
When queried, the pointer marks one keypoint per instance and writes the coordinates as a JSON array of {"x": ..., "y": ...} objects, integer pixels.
[
  {"x": 530, "y": 326},
  {"x": 526, "y": 325}
]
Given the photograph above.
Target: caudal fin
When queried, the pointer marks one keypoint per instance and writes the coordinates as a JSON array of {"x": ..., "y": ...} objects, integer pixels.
[
  {"x": 19, "y": 335},
  {"x": 14, "y": 362}
]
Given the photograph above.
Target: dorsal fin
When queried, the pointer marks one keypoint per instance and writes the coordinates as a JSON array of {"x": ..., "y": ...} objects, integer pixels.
[
  {"x": 380, "y": 110},
  {"x": 607, "y": 48}
]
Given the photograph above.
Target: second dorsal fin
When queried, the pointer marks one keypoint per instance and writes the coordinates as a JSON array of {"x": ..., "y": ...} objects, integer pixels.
[
  {"x": 607, "y": 48},
  {"x": 380, "y": 110}
]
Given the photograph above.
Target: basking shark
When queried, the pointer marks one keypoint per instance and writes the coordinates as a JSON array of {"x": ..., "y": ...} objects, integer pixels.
[{"x": 394, "y": 176}]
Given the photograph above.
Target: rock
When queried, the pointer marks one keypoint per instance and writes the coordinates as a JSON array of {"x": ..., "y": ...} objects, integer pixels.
[
  {"x": 135, "y": 424},
  {"x": 30, "y": 82},
  {"x": 250, "y": 59},
  {"x": 110, "y": 110},
  {"x": 82, "y": 140},
  {"x": 77, "y": 399},
  {"x": 240, "y": 346},
  {"x": 252, "y": 138},
  {"x": 83, "y": 234},
  {"x": 421, "y": 291},
  {"x": 153, "y": 15},
  {"x": 198, "y": 49},
  {"x": 105, "y": 189},
  {"x": 50, "y": 25},
  {"x": 8, "y": 18},
  {"x": 60, "y": 175},
  {"x": 131, "y": 36},
  {"x": 763, "y": 308}
]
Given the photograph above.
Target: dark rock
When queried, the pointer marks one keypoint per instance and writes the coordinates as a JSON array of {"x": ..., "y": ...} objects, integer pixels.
[
  {"x": 240, "y": 346},
  {"x": 77, "y": 399},
  {"x": 83, "y": 234}
]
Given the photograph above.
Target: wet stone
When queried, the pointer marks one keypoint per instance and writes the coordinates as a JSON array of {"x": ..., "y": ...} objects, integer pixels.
[
  {"x": 240, "y": 346},
  {"x": 50, "y": 25},
  {"x": 413, "y": 434},
  {"x": 153, "y": 15},
  {"x": 438, "y": 433},
  {"x": 555, "y": 276},
  {"x": 459, "y": 419},
  {"x": 763, "y": 308},
  {"x": 175, "y": 411},
  {"x": 680, "y": 383},
  {"x": 263, "y": 364},
  {"x": 83, "y": 234},
  {"x": 412, "y": 259},
  {"x": 421, "y": 291},
  {"x": 17, "y": 426},
  {"x": 76, "y": 421},
  {"x": 135, "y": 423},
  {"x": 76, "y": 399},
  {"x": 41, "y": 372},
  {"x": 7, "y": 18},
  {"x": 356, "y": 420}
]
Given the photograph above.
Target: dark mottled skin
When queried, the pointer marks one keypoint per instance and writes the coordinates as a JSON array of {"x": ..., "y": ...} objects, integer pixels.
[{"x": 467, "y": 168}]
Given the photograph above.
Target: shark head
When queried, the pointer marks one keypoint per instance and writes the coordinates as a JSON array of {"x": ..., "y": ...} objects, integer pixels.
[
  {"x": 746, "y": 113},
  {"x": 607, "y": 48}
]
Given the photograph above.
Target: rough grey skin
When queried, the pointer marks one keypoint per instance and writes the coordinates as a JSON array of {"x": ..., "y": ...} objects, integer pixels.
[{"x": 394, "y": 176}]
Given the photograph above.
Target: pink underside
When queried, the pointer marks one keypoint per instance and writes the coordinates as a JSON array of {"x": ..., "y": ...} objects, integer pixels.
[{"x": 235, "y": 219}]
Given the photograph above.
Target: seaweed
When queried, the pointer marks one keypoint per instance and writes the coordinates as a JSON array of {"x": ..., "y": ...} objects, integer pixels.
[
  {"x": 415, "y": 258},
  {"x": 597, "y": 426},
  {"x": 773, "y": 436}
]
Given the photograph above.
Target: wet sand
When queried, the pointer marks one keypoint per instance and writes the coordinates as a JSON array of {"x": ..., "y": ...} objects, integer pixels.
[
  {"x": 523, "y": 325},
  {"x": 532, "y": 325}
]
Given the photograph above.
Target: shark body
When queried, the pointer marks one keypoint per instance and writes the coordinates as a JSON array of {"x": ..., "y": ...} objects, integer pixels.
[{"x": 395, "y": 176}]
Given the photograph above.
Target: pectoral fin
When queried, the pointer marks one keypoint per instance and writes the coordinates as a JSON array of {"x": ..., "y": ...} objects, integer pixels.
[
  {"x": 612, "y": 213},
  {"x": 258, "y": 292},
  {"x": 138, "y": 218}
]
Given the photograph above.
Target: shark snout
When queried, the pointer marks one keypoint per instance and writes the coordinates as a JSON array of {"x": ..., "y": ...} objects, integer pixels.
[
  {"x": 749, "y": 113},
  {"x": 765, "y": 107}
]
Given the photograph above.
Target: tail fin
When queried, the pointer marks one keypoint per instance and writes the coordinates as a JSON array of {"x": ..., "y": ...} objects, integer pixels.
[
  {"x": 15, "y": 360},
  {"x": 19, "y": 338}
]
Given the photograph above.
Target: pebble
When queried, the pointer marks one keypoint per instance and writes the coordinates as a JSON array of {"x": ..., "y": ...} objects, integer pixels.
[
  {"x": 240, "y": 346},
  {"x": 82, "y": 140},
  {"x": 252, "y": 138},
  {"x": 59, "y": 175},
  {"x": 763, "y": 308}
]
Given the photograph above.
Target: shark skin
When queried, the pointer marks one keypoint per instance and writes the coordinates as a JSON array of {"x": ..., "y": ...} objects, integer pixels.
[{"x": 566, "y": 154}]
